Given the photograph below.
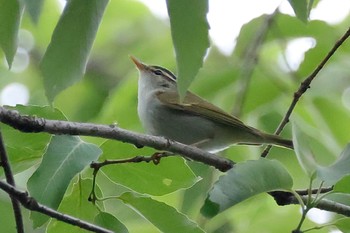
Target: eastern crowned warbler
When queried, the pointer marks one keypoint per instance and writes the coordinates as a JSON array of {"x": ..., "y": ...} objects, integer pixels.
[{"x": 194, "y": 121}]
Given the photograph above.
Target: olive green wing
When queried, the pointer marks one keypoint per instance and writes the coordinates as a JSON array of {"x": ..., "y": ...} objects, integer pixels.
[{"x": 195, "y": 105}]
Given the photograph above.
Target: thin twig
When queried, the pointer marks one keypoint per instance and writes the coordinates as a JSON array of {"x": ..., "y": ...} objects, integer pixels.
[
  {"x": 251, "y": 58},
  {"x": 306, "y": 85},
  {"x": 10, "y": 180},
  {"x": 155, "y": 158},
  {"x": 33, "y": 124},
  {"x": 31, "y": 204}
]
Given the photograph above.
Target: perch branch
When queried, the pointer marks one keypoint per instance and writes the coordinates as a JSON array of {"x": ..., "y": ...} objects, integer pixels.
[{"x": 32, "y": 124}]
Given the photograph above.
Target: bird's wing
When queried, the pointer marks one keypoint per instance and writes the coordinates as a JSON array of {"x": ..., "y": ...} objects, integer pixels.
[{"x": 195, "y": 105}]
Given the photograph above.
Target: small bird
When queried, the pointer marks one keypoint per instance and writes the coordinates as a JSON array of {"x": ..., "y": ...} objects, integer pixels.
[{"x": 193, "y": 121}]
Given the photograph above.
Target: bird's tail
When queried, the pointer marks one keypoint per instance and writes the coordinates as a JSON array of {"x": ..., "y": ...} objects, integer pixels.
[{"x": 278, "y": 141}]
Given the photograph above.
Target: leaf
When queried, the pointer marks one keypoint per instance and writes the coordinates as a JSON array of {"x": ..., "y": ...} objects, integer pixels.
[
  {"x": 7, "y": 221},
  {"x": 303, "y": 151},
  {"x": 343, "y": 185},
  {"x": 300, "y": 8},
  {"x": 329, "y": 174},
  {"x": 168, "y": 176},
  {"x": 25, "y": 149},
  {"x": 65, "y": 157},
  {"x": 34, "y": 8},
  {"x": 76, "y": 204},
  {"x": 340, "y": 168},
  {"x": 164, "y": 217},
  {"x": 342, "y": 198},
  {"x": 343, "y": 224},
  {"x": 194, "y": 196},
  {"x": 244, "y": 181},
  {"x": 10, "y": 17},
  {"x": 189, "y": 30},
  {"x": 110, "y": 222},
  {"x": 66, "y": 57}
]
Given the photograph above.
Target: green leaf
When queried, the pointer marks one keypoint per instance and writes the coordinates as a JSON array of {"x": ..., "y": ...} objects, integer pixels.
[
  {"x": 342, "y": 198},
  {"x": 303, "y": 151},
  {"x": 340, "y": 168},
  {"x": 342, "y": 186},
  {"x": 25, "y": 149},
  {"x": 10, "y": 17},
  {"x": 194, "y": 196},
  {"x": 7, "y": 221},
  {"x": 329, "y": 174},
  {"x": 189, "y": 30},
  {"x": 46, "y": 112},
  {"x": 66, "y": 57},
  {"x": 164, "y": 217},
  {"x": 65, "y": 157},
  {"x": 76, "y": 204},
  {"x": 110, "y": 222},
  {"x": 300, "y": 8},
  {"x": 244, "y": 181},
  {"x": 168, "y": 176},
  {"x": 34, "y": 8},
  {"x": 343, "y": 224}
]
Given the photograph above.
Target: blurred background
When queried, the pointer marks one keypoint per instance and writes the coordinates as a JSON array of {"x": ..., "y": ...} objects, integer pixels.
[{"x": 254, "y": 65}]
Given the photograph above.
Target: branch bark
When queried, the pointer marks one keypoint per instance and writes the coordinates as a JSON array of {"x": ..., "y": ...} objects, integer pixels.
[
  {"x": 31, "y": 124},
  {"x": 31, "y": 204},
  {"x": 306, "y": 85},
  {"x": 10, "y": 180},
  {"x": 285, "y": 198},
  {"x": 251, "y": 58}
]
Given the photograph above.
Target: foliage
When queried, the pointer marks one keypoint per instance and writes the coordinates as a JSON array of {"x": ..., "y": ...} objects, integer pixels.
[{"x": 79, "y": 71}]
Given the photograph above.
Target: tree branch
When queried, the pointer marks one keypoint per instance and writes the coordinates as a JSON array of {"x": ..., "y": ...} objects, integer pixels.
[
  {"x": 251, "y": 58},
  {"x": 306, "y": 85},
  {"x": 31, "y": 204},
  {"x": 285, "y": 198},
  {"x": 314, "y": 191},
  {"x": 10, "y": 180},
  {"x": 31, "y": 124}
]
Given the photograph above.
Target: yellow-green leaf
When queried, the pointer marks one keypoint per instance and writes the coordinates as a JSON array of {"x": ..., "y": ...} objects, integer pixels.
[
  {"x": 10, "y": 17},
  {"x": 189, "y": 30},
  {"x": 66, "y": 57}
]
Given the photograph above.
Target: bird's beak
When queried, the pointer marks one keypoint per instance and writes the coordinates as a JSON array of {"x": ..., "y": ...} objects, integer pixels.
[{"x": 140, "y": 66}]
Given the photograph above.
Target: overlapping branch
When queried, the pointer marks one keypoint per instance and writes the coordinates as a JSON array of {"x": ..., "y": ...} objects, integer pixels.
[
  {"x": 11, "y": 181},
  {"x": 31, "y": 204},
  {"x": 306, "y": 85},
  {"x": 285, "y": 198}
]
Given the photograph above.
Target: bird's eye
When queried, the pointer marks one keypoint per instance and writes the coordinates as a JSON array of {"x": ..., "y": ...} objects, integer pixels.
[{"x": 157, "y": 72}]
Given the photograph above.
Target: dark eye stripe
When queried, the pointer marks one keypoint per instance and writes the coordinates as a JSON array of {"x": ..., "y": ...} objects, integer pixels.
[{"x": 167, "y": 73}]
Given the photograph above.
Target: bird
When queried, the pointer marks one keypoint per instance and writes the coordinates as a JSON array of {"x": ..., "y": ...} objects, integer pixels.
[{"x": 192, "y": 121}]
